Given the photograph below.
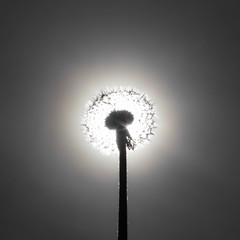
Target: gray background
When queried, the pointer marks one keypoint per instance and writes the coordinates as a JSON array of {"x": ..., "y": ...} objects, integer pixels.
[{"x": 54, "y": 187}]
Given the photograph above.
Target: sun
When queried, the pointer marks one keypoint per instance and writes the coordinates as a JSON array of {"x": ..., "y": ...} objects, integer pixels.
[{"x": 119, "y": 99}]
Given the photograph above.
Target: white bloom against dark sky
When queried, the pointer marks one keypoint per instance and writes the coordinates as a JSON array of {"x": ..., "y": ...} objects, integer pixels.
[{"x": 118, "y": 99}]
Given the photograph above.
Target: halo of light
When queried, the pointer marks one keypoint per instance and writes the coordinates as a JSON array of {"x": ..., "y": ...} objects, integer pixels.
[{"x": 119, "y": 99}]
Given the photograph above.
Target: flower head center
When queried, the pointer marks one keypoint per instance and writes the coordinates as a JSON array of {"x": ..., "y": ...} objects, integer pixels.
[{"x": 118, "y": 120}]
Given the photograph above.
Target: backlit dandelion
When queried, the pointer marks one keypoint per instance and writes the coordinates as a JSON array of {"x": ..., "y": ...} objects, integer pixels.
[
  {"x": 128, "y": 116},
  {"x": 119, "y": 99}
]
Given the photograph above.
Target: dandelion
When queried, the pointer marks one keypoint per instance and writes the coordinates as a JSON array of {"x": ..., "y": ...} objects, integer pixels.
[
  {"x": 130, "y": 114},
  {"x": 116, "y": 100}
]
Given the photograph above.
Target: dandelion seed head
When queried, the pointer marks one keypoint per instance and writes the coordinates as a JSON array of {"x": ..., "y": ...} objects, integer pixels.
[{"x": 112, "y": 107}]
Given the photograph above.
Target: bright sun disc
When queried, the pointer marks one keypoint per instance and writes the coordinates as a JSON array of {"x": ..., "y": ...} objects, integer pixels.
[{"x": 118, "y": 99}]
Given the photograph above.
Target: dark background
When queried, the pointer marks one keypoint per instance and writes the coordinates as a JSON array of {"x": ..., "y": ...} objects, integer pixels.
[{"x": 194, "y": 194}]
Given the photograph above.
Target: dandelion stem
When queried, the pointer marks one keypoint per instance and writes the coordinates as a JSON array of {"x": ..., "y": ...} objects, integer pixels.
[{"x": 122, "y": 217}]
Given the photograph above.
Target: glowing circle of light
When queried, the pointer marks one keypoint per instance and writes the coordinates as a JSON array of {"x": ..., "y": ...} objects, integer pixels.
[{"x": 118, "y": 99}]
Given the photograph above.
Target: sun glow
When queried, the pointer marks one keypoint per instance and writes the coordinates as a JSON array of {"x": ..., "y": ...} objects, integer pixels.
[{"x": 118, "y": 99}]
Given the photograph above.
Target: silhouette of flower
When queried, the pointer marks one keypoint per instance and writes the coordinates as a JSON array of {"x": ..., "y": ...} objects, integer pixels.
[
  {"x": 119, "y": 108},
  {"x": 118, "y": 120}
]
